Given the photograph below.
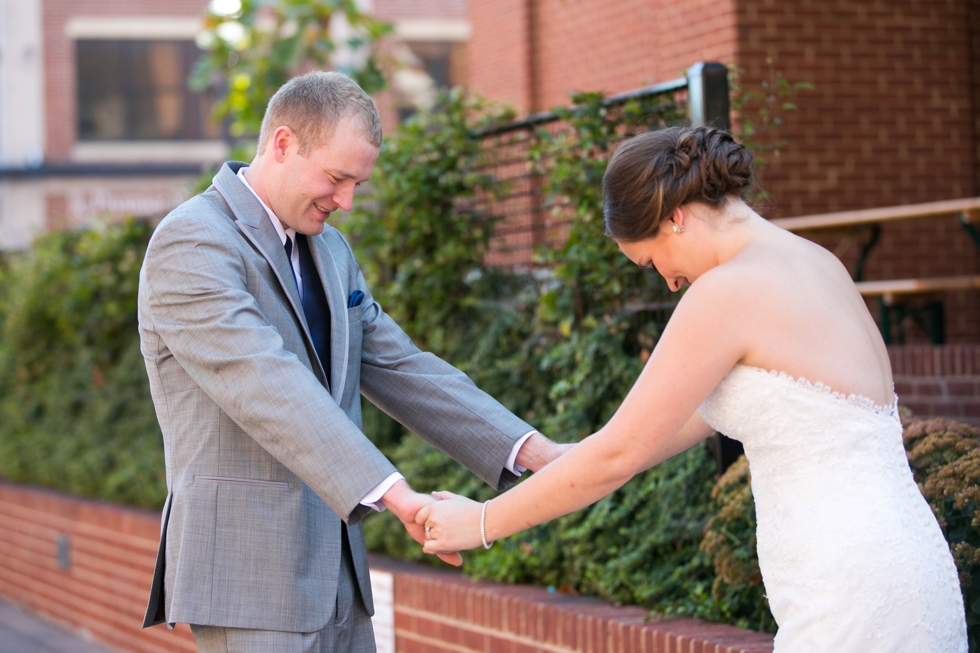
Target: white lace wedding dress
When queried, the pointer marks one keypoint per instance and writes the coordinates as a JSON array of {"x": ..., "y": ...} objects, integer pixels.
[{"x": 852, "y": 558}]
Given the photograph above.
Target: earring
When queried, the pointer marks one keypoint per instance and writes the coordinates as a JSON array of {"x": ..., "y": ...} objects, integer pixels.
[{"x": 677, "y": 229}]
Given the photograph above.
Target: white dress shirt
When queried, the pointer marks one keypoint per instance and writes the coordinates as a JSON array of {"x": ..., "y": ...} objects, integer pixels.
[{"x": 373, "y": 498}]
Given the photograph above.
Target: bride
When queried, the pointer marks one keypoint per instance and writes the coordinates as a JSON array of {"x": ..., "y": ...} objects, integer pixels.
[{"x": 771, "y": 345}]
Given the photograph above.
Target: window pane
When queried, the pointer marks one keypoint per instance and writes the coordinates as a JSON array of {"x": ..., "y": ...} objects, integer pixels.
[
  {"x": 101, "y": 108},
  {"x": 201, "y": 110},
  {"x": 169, "y": 110},
  {"x": 137, "y": 90},
  {"x": 442, "y": 61}
]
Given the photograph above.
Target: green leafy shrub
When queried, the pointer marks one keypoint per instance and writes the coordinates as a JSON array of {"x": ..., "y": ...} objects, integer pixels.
[
  {"x": 945, "y": 458},
  {"x": 419, "y": 238},
  {"x": 75, "y": 408},
  {"x": 737, "y": 594},
  {"x": 254, "y": 50}
]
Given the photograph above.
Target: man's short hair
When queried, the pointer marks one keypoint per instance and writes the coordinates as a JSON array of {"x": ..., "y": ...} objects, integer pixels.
[{"x": 313, "y": 104}]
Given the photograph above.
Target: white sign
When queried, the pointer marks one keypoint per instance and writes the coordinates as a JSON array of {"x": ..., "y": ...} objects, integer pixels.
[
  {"x": 86, "y": 205},
  {"x": 383, "y": 588}
]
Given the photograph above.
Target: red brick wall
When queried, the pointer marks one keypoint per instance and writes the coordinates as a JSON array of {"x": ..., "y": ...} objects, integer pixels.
[
  {"x": 938, "y": 381},
  {"x": 890, "y": 122},
  {"x": 890, "y": 119},
  {"x": 59, "y": 59},
  {"x": 440, "y": 611},
  {"x": 498, "y": 57},
  {"x": 973, "y": 31},
  {"x": 533, "y": 53},
  {"x": 112, "y": 552},
  {"x": 617, "y": 46}
]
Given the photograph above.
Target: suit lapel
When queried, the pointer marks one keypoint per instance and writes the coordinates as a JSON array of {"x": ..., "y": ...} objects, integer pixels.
[
  {"x": 337, "y": 300},
  {"x": 254, "y": 223}
]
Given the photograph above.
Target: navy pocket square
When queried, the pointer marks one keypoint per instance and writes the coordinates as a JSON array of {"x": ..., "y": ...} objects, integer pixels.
[{"x": 355, "y": 299}]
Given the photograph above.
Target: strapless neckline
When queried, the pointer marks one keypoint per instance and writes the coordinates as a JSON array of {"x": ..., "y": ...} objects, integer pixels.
[{"x": 857, "y": 400}]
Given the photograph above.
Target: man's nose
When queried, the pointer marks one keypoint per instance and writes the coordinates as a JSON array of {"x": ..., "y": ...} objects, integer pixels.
[{"x": 344, "y": 197}]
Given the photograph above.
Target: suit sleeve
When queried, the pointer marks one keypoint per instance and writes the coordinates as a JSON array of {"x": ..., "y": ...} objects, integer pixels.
[
  {"x": 193, "y": 282},
  {"x": 435, "y": 400}
]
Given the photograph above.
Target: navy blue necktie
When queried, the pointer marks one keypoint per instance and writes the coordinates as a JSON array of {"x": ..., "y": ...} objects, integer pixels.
[{"x": 314, "y": 301}]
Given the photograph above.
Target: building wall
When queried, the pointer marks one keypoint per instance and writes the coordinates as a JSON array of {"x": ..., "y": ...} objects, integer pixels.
[
  {"x": 618, "y": 46},
  {"x": 23, "y": 213},
  {"x": 938, "y": 381},
  {"x": 50, "y": 179},
  {"x": 59, "y": 53},
  {"x": 533, "y": 53},
  {"x": 889, "y": 122},
  {"x": 498, "y": 53},
  {"x": 392, "y": 10},
  {"x": 21, "y": 84}
]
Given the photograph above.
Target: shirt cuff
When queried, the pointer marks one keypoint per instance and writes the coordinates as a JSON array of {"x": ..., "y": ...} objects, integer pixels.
[
  {"x": 374, "y": 496},
  {"x": 511, "y": 464}
]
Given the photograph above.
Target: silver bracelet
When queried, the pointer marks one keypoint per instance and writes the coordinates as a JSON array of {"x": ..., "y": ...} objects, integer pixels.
[{"x": 483, "y": 526}]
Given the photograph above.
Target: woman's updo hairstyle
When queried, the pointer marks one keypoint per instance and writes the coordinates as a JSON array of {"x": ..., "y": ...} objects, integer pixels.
[{"x": 652, "y": 174}]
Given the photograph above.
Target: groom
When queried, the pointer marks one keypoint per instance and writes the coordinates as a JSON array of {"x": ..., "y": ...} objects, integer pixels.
[{"x": 259, "y": 335}]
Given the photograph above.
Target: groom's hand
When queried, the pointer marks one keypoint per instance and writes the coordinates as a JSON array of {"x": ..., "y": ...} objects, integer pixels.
[
  {"x": 537, "y": 451},
  {"x": 404, "y": 503}
]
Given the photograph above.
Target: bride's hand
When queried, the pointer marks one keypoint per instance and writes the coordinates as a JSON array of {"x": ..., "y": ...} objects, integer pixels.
[{"x": 451, "y": 524}]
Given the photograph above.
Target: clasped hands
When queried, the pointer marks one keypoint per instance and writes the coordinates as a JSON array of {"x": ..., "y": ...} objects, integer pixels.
[
  {"x": 445, "y": 523},
  {"x": 407, "y": 505}
]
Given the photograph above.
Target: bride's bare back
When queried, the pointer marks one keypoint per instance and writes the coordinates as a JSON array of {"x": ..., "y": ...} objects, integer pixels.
[{"x": 803, "y": 315}]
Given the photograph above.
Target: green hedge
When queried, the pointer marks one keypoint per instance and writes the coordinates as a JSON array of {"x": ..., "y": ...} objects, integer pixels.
[
  {"x": 945, "y": 457},
  {"x": 75, "y": 408}
]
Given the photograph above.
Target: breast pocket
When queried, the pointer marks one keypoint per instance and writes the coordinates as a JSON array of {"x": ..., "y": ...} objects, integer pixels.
[{"x": 352, "y": 380}]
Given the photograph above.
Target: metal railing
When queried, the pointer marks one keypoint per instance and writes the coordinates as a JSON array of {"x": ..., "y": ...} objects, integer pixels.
[{"x": 527, "y": 220}]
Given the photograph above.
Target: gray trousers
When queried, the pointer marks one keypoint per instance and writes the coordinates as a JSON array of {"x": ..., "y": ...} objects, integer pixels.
[{"x": 350, "y": 632}]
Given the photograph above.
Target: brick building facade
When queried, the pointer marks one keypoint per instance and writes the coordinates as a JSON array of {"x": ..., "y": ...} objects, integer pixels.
[{"x": 58, "y": 170}]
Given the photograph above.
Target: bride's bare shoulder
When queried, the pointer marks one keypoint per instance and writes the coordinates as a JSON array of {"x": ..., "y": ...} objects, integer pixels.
[
  {"x": 742, "y": 274},
  {"x": 767, "y": 275},
  {"x": 730, "y": 288}
]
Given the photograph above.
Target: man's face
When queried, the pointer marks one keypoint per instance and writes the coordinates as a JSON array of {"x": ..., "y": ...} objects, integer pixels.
[{"x": 308, "y": 188}]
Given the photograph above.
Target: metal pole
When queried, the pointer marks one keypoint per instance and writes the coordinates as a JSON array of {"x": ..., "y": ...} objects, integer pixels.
[
  {"x": 707, "y": 105},
  {"x": 707, "y": 95}
]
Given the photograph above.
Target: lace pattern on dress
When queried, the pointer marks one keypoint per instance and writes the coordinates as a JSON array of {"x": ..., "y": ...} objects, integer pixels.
[
  {"x": 852, "y": 558},
  {"x": 853, "y": 399}
]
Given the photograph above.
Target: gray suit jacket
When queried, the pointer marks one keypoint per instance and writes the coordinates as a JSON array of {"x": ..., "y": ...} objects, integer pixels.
[{"x": 265, "y": 456}]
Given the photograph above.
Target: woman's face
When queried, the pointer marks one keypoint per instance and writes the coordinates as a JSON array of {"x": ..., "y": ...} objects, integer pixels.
[{"x": 662, "y": 252}]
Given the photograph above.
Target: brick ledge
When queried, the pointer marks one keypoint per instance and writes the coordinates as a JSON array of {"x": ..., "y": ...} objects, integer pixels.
[{"x": 477, "y": 616}]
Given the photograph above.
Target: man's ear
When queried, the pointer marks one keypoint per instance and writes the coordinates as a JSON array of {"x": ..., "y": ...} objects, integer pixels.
[{"x": 280, "y": 141}]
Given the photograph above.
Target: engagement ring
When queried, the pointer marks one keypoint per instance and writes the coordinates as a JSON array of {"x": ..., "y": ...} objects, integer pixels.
[{"x": 427, "y": 536}]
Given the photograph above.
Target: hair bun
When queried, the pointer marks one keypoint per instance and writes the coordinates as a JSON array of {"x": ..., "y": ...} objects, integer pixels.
[{"x": 652, "y": 174}]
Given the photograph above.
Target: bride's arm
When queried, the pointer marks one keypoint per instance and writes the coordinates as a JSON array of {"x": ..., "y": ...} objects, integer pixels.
[{"x": 657, "y": 420}]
